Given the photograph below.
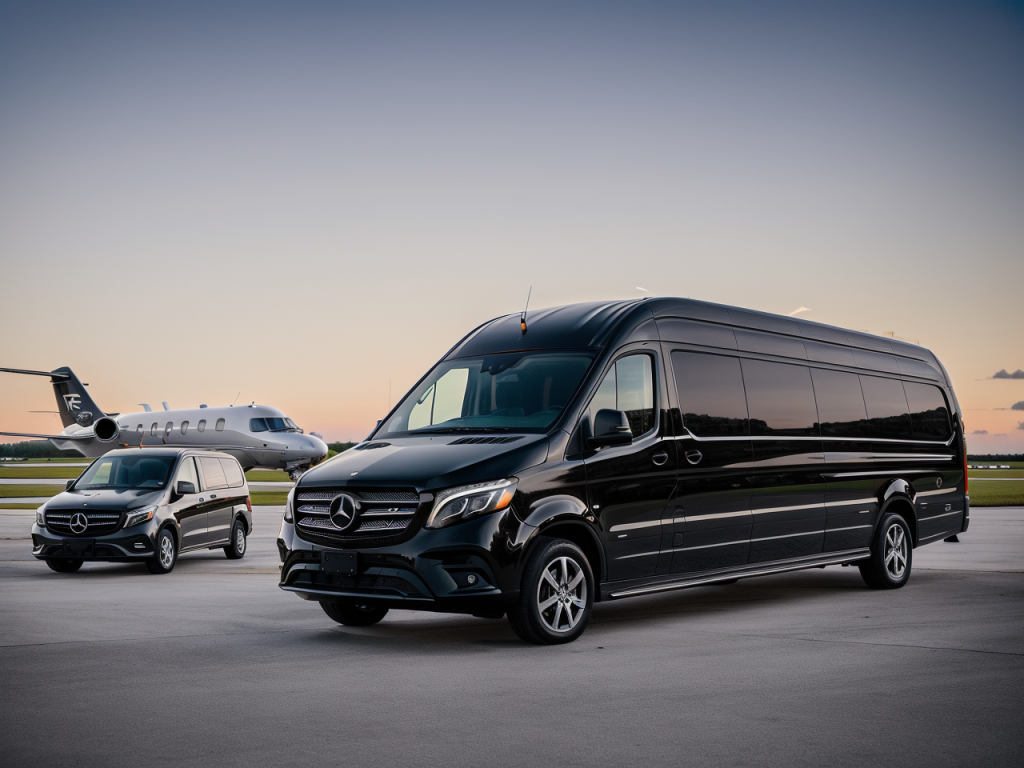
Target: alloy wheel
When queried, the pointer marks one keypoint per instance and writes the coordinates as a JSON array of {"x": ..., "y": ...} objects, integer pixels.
[
  {"x": 895, "y": 551},
  {"x": 562, "y": 594},
  {"x": 166, "y": 551},
  {"x": 239, "y": 540}
]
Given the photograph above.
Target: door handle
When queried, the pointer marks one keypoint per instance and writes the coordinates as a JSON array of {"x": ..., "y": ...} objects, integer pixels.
[
  {"x": 659, "y": 458},
  {"x": 213, "y": 495},
  {"x": 201, "y": 498},
  {"x": 694, "y": 457}
]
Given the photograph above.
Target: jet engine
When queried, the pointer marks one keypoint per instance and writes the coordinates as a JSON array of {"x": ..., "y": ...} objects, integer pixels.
[{"x": 106, "y": 429}]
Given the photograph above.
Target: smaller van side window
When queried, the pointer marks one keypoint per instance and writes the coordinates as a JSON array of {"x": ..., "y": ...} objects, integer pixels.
[
  {"x": 201, "y": 426},
  {"x": 232, "y": 473},
  {"x": 220, "y": 425},
  {"x": 888, "y": 413},
  {"x": 184, "y": 427},
  {"x": 929, "y": 415},
  {"x": 711, "y": 396},
  {"x": 780, "y": 399},
  {"x": 213, "y": 473},
  {"x": 629, "y": 387},
  {"x": 187, "y": 472}
]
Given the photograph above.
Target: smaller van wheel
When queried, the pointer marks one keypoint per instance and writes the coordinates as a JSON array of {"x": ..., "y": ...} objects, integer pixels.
[
  {"x": 556, "y": 596},
  {"x": 891, "y": 554},
  {"x": 63, "y": 564},
  {"x": 166, "y": 553},
  {"x": 236, "y": 549},
  {"x": 354, "y": 613}
]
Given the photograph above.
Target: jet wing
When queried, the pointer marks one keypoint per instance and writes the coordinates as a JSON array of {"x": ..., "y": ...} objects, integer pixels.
[{"x": 49, "y": 437}]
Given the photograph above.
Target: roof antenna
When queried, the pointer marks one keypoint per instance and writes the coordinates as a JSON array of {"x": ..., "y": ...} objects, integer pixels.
[
  {"x": 522, "y": 317},
  {"x": 236, "y": 399}
]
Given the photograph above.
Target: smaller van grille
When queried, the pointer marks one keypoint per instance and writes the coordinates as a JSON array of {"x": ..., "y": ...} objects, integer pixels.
[{"x": 101, "y": 522}]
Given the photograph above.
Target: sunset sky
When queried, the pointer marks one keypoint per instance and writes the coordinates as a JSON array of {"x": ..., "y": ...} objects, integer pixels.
[{"x": 306, "y": 204}]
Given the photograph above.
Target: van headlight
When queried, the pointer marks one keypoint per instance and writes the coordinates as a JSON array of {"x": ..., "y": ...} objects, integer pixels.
[
  {"x": 137, "y": 516},
  {"x": 288, "y": 505},
  {"x": 453, "y": 505},
  {"x": 41, "y": 515}
]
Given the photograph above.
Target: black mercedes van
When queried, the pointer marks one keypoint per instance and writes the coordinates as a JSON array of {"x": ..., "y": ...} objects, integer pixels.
[
  {"x": 146, "y": 505},
  {"x": 598, "y": 451}
]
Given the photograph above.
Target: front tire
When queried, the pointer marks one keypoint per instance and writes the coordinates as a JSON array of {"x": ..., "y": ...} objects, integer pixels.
[
  {"x": 354, "y": 613},
  {"x": 63, "y": 564},
  {"x": 891, "y": 555},
  {"x": 556, "y": 595},
  {"x": 236, "y": 549},
  {"x": 166, "y": 553}
]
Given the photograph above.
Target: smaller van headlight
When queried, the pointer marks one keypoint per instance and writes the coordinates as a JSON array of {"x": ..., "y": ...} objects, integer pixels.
[
  {"x": 453, "y": 505},
  {"x": 288, "y": 505},
  {"x": 137, "y": 516},
  {"x": 41, "y": 515}
]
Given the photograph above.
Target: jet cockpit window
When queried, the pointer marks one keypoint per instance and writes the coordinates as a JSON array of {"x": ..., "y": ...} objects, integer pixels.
[
  {"x": 127, "y": 472},
  {"x": 220, "y": 425},
  {"x": 201, "y": 426},
  {"x": 272, "y": 424}
]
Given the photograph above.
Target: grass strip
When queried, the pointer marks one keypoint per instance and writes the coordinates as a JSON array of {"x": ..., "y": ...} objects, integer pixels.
[
  {"x": 1008, "y": 473},
  {"x": 40, "y": 472},
  {"x": 997, "y": 494},
  {"x": 14, "y": 491},
  {"x": 34, "y": 505},
  {"x": 267, "y": 476},
  {"x": 268, "y": 498}
]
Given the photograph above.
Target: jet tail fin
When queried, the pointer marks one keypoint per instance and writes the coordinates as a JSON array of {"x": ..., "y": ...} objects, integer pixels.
[{"x": 74, "y": 403}]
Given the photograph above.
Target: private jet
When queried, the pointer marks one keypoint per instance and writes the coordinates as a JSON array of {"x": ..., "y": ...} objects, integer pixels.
[{"x": 256, "y": 435}]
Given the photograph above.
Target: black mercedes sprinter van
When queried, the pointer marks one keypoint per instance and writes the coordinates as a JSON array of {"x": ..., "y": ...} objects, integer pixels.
[{"x": 599, "y": 451}]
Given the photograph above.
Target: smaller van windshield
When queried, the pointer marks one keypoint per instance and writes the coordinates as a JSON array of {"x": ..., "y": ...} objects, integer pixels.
[
  {"x": 512, "y": 392},
  {"x": 127, "y": 472},
  {"x": 272, "y": 424}
]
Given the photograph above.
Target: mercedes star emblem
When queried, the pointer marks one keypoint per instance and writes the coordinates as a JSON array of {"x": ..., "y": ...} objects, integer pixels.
[
  {"x": 79, "y": 523},
  {"x": 343, "y": 511}
]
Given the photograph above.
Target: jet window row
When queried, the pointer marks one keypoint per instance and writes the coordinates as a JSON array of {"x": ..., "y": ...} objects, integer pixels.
[{"x": 169, "y": 427}]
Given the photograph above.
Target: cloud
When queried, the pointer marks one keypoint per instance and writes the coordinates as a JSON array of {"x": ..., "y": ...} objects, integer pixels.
[
  {"x": 1018, "y": 374},
  {"x": 1001, "y": 434},
  {"x": 980, "y": 432},
  {"x": 1017, "y": 406}
]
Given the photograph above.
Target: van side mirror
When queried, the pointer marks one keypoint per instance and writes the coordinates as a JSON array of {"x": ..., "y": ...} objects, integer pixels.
[
  {"x": 185, "y": 487},
  {"x": 611, "y": 427},
  {"x": 68, "y": 484}
]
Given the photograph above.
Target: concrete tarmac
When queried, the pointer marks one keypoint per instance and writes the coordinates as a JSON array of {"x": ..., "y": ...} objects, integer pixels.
[{"x": 213, "y": 665}]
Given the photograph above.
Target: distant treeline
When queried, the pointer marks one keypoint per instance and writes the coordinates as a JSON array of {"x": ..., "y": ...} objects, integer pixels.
[
  {"x": 338, "y": 447},
  {"x": 34, "y": 449},
  {"x": 995, "y": 456}
]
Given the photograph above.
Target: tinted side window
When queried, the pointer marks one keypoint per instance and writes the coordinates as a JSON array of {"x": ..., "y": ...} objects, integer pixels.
[
  {"x": 841, "y": 410},
  {"x": 929, "y": 416},
  {"x": 232, "y": 473},
  {"x": 257, "y": 425},
  {"x": 780, "y": 399},
  {"x": 187, "y": 472},
  {"x": 710, "y": 394},
  {"x": 888, "y": 414},
  {"x": 629, "y": 387},
  {"x": 213, "y": 473}
]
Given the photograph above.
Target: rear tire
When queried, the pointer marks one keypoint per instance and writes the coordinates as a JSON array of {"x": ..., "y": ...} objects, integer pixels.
[
  {"x": 354, "y": 613},
  {"x": 556, "y": 595},
  {"x": 166, "y": 553},
  {"x": 236, "y": 549},
  {"x": 63, "y": 564},
  {"x": 891, "y": 555}
]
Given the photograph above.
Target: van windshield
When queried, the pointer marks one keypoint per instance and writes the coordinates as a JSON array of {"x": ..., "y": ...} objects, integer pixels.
[
  {"x": 139, "y": 471},
  {"x": 513, "y": 392}
]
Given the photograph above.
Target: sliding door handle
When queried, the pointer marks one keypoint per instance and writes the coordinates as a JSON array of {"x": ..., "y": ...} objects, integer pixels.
[
  {"x": 694, "y": 457},
  {"x": 659, "y": 458}
]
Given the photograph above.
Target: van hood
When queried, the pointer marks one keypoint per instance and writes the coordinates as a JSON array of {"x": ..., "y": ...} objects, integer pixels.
[
  {"x": 428, "y": 462},
  {"x": 106, "y": 498}
]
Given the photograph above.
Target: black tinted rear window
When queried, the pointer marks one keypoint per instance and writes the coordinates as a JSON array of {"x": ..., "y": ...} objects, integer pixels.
[
  {"x": 841, "y": 410},
  {"x": 710, "y": 394},
  {"x": 929, "y": 415},
  {"x": 888, "y": 414},
  {"x": 780, "y": 398}
]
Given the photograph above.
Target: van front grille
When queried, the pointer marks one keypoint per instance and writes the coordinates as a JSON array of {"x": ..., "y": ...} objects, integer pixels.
[
  {"x": 68, "y": 522},
  {"x": 382, "y": 517}
]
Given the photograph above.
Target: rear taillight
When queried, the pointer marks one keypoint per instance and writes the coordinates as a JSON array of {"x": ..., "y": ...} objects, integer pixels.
[
  {"x": 963, "y": 434},
  {"x": 248, "y": 504}
]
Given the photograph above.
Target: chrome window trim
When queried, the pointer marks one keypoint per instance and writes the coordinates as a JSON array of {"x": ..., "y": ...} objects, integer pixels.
[
  {"x": 937, "y": 491},
  {"x": 899, "y": 441}
]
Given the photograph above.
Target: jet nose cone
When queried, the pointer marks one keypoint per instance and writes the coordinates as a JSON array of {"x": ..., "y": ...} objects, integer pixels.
[{"x": 316, "y": 446}]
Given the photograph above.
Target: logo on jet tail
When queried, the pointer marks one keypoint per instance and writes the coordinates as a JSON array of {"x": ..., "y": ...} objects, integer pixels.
[{"x": 72, "y": 401}]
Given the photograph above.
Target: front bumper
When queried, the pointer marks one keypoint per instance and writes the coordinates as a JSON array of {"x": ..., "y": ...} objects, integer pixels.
[
  {"x": 127, "y": 545},
  {"x": 468, "y": 568}
]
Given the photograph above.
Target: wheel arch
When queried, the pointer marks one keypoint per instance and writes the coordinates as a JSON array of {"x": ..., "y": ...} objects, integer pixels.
[
  {"x": 580, "y": 534},
  {"x": 904, "y": 507}
]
